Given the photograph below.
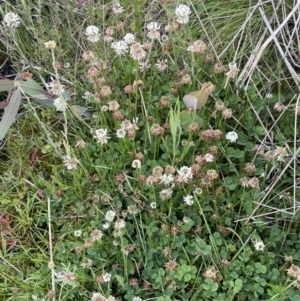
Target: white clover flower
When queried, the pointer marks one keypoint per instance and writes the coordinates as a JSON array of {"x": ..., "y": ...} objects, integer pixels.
[
  {"x": 136, "y": 163},
  {"x": 110, "y": 215},
  {"x": 121, "y": 133},
  {"x": 104, "y": 108},
  {"x": 259, "y": 246},
  {"x": 209, "y": 157},
  {"x": 120, "y": 47},
  {"x": 101, "y": 136},
  {"x": 106, "y": 277},
  {"x": 153, "y": 28},
  {"x": 77, "y": 233},
  {"x": 182, "y": 12},
  {"x": 233, "y": 70},
  {"x": 60, "y": 104},
  {"x": 56, "y": 87},
  {"x": 188, "y": 200},
  {"x": 198, "y": 190},
  {"x": 162, "y": 65},
  {"x": 166, "y": 179},
  {"x": 269, "y": 95},
  {"x": 120, "y": 224},
  {"x": 137, "y": 299},
  {"x": 129, "y": 38},
  {"x": 232, "y": 136},
  {"x": 117, "y": 8},
  {"x": 70, "y": 163},
  {"x": 186, "y": 219},
  {"x": 92, "y": 33},
  {"x": 11, "y": 20},
  {"x": 153, "y": 205},
  {"x": 105, "y": 226},
  {"x": 144, "y": 66},
  {"x": 185, "y": 174},
  {"x": 137, "y": 52},
  {"x": 89, "y": 96}
]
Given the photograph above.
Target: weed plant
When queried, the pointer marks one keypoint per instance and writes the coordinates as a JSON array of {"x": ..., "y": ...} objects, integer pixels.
[{"x": 118, "y": 189}]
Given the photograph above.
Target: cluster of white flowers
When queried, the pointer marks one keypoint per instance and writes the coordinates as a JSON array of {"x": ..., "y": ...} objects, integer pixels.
[
  {"x": 117, "y": 8},
  {"x": 121, "y": 133},
  {"x": 182, "y": 12},
  {"x": 106, "y": 277},
  {"x": 153, "y": 30},
  {"x": 60, "y": 104},
  {"x": 153, "y": 205},
  {"x": 88, "y": 96},
  {"x": 166, "y": 179},
  {"x": 120, "y": 47},
  {"x": 92, "y": 33},
  {"x": 11, "y": 20},
  {"x": 259, "y": 246},
  {"x": 209, "y": 157},
  {"x": 232, "y": 136},
  {"x": 233, "y": 70},
  {"x": 137, "y": 51},
  {"x": 101, "y": 136},
  {"x": 136, "y": 164},
  {"x": 188, "y": 200},
  {"x": 161, "y": 65},
  {"x": 129, "y": 38},
  {"x": 77, "y": 233},
  {"x": 70, "y": 162},
  {"x": 120, "y": 224},
  {"x": 185, "y": 174},
  {"x": 128, "y": 125},
  {"x": 198, "y": 190},
  {"x": 110, "y": 215}
]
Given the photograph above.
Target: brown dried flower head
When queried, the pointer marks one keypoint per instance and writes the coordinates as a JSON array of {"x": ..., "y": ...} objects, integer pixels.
[
  {"x": 105, "y": 91},
  {"x": 211, "y": 273},
  {"x": 219, "y": 68},
  {"x": 249, "y": 168},
  {"x": 26, "y": 75},
  {"x": 165, "y": 101},
  {"x": 227, "y": 113},
  {"x": 156, "y": 129},
  {"x": 171, "y": 265}
]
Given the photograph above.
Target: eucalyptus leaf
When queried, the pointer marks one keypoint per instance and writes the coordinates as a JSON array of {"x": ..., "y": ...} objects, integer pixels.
[
  {"x": 79, "y": 110},
  {"x": 10, "y": 112},
  {"x": 34, "y": 90},
  {"x": 6, "y": 85}
]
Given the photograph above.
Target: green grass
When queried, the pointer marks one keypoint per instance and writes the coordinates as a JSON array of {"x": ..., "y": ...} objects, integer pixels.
[{"x": 182, "y": 210}]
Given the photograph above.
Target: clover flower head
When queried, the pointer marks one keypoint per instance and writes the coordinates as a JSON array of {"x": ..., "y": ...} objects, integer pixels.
[
  {"x": 188, "y": 200},
  {"x": 232, "y": 136},
  {"x": 92, "y": 33},
  {"x": 11, "y": 20},
  {"x": 120, "y": 47},
  {"x": 129, "y": 38},
  {"x": 182, "y": 12},
  {"x": 60, "y": 104}
]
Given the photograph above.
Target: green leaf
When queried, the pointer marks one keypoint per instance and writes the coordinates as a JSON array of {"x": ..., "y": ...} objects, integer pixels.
[
  {"x": 10, "y": 113},
  {"x": 187, "y": 118},
  {"x": 120, "y": 280},
  {"x": 35, "y": 90},
  {"x": 79, "y": 109},
  {"x": 6, "y": 85},
  {"x": 238, "y": 285}
]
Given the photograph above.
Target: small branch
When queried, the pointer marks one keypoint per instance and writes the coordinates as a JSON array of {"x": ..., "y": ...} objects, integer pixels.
[{"x": 51, "y": 264}]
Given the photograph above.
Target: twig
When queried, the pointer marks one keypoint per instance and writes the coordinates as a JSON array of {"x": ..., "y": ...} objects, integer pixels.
[{"x": 51, "y": 250}]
